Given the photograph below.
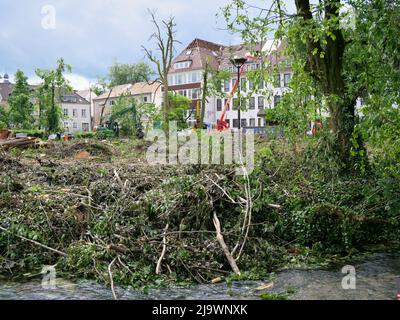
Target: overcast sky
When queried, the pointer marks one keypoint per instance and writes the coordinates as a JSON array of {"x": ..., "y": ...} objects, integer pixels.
[{"x": 92, "y": 34}]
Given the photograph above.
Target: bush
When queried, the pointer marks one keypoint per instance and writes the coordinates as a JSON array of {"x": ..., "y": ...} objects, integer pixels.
[
  {"x": 32, "y": 133},
  {"x": 86, "y": 135},
  {"x": 105, "y": 134}
]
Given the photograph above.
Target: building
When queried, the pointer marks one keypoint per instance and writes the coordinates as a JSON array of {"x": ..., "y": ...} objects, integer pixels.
[
  {"x": 89, "y": 95},
  {"x": 186, "y": 74},
  {"x": 254, "y": 102},
  {"x": 5, "y": 89},
  {"x": 76, "y": 113},
  {"x": 143, "y": 91}
]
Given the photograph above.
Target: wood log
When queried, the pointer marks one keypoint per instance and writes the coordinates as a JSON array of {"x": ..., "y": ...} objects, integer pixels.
[{"x": 21, "y": 143}]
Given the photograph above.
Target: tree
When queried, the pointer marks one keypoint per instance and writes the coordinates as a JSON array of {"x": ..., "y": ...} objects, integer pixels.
[
  {"x": 321, "y": 43},
  {"x": 21, "y": 107},
  {"x": 129, "y": 73},
  {"x": 179, "y": 107},
  {"x": 211, "y": 86},
  {"x": 130, "y": 113},
  {"x": 164, "y": 38},
  {"x": 50, "y": 91},
  {"x": 4, "y": 122}
]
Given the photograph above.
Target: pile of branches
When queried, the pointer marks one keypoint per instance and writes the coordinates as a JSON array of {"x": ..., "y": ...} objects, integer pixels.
[{"x": 135, "y": 224}]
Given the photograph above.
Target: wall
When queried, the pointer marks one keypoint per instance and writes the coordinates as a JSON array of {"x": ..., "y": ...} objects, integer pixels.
[{"x": 79, "y": 122}]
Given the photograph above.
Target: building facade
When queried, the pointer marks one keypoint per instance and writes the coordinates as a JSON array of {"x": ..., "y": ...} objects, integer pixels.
[
  {"x": 144, "y": 92},
  {"x": 186, "y": 77},
  {"x": 76, "y": 112}
]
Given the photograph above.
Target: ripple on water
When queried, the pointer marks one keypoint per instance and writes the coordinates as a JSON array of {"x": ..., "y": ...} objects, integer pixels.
[{"x": 376, "y": 279}]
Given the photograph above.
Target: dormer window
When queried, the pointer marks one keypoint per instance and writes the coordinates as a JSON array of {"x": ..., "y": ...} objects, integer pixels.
[{"x": 182, "y": 65}]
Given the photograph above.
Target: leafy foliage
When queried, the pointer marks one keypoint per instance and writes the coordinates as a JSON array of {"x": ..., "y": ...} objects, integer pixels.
[
  {"x": 120, "y": 73},
  {"x": 49, "y": 92},
  {"x": 179, "y": 109},
  {"x": 21, "y": 107}
]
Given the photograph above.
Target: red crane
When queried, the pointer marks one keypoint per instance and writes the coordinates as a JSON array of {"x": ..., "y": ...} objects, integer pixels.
[{"x": 221, "y": 123}]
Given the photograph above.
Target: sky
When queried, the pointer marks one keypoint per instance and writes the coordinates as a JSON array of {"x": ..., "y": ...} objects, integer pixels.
[{"x": 92, "y": 34}]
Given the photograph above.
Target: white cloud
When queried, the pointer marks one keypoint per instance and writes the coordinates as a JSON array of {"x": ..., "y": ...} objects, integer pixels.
[{"x": 77, "y": 81}]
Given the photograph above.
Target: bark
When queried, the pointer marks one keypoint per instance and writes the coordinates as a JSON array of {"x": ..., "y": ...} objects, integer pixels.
[
  {"x": 325, "y": 65},
  {"x": 204, "y": 97}
]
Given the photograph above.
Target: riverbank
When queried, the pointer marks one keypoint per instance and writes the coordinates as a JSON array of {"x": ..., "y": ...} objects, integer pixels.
[{"x": 375, "y": 280}]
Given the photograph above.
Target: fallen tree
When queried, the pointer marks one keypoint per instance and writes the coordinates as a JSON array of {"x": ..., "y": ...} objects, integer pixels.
[{"x": 22, "y": 143}]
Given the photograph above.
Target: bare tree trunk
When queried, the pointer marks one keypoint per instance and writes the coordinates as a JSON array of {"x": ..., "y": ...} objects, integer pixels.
[{"x": 204, "y": 97}]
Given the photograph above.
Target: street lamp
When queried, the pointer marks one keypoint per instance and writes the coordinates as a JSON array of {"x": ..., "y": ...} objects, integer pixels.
[{"x": 238, "y": 63}]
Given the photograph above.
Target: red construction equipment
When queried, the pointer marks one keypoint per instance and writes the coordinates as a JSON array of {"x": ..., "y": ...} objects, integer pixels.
[{"x": 221, "y": 123}]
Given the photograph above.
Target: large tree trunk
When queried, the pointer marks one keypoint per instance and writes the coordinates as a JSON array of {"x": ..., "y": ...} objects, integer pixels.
[
  {"x": 325, "y": 65},
  {"x": 342, "y": 123}
]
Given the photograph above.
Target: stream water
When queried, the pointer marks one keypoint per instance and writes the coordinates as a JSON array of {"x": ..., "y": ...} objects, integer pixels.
[{"x": 376, "y": 279}]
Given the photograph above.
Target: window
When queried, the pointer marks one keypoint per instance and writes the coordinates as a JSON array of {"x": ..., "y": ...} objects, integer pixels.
[
  {"x": 261, "y": 102},
  {"x": 252, "y": 122},
  {"x": 179, "y": 79},
  {"x": 250, "y": 85},
  {"x": 75, "y": 113},
  {"x": 236, "y": 123},
  {"x": 112, "y": 102},
  {"x": 226, "y": 103},
  {"x": 65, "y": 112},
  {"x": 277, "y": 100},
  {"x": 195, "y": 94},
  {"x": 286, "y": 80},
  {"x": 243, "y": 85},
  {"x": 75, "y": 125},
  {"x": 226, "y": 86},
  {"x": 260, "y": 122},
  {"x": 261, "y": 86},
  {"x": 235, "y": 103},
  {"x": 85, "y": 126},
  {"x": 278, "y": 81},
  {"x": 145, "y": 99},
  {"x": 195, "y": 77},
  {"x": 66, "y": 125},
  {"x": 233, "y": 82},
  {"x": 252, "y": 103},
  {"x": 182, "y": 65},
  {"x": 84, "y": 113},
  {"x": 243, "y": 123},
  {"x": 228, "y": 122},
  {"x": 219, "y": 105}
]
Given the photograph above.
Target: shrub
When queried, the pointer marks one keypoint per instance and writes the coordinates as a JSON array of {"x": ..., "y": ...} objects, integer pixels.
[
  {"x": 105, "y": 134},
  {"x": 32, "y": 133},
  {"x": 86, "y": 135}
]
